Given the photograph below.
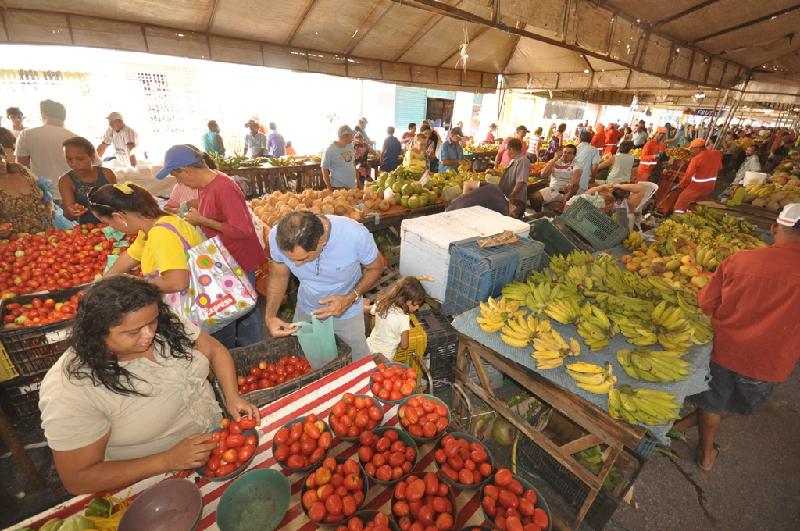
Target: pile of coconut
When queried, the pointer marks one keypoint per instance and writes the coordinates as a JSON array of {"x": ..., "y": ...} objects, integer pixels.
[{"x": 270, "y": 209}]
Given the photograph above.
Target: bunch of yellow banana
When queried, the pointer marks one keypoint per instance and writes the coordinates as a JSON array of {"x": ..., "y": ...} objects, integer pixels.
[
  {"x": 592, "y": 378},
  {"x": 642, "y": 406},
  {"x": 633, "y": 241},
  {"x": 654, "y": 365},
  {"x": 701, "y": 329},
  {"x": 706, "y": 257},
  {"x": 565, "y": 311},
  {"x": 592, "y": 460},
  {"x": 635, "y": 330},
  {"x": 516, "y": 291},
  {"x": 520, "y": 332},
  {"x": 494, "y": 314},
  {"x": 550, "y": 349},
  {"x": 539, "y": 297},
  {"x": 594, "y": 327}
]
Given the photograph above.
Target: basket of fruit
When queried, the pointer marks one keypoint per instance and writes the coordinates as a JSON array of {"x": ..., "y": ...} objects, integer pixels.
[
  {"x": 384, "y": 469},
  {"x": 423, "y": 499},
  {"x": 463, "y": 461},
  {"x": 299, "y": 454},
  {"x": 334, "y": 491},
  {"x": 424, "y": 417},
  {"x": 392, "y": 382},
  {"x": 238, "y": 442},
  {"x": 353, "y": 414},
  {"x": 369, "y": 521},
  {"x": 506, "y": 492}
]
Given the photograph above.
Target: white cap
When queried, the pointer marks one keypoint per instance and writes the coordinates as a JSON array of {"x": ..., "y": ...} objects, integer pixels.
[
  {"x": 114, "y": 116},
  {"x": 790, "y": 215}
]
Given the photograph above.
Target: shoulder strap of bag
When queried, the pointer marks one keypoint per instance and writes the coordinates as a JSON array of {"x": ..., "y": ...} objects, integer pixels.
[{"x": 186, "y": 245}]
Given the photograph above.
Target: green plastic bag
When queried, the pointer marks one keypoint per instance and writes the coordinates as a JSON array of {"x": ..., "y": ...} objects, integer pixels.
[{"x": 317, "y": 341}]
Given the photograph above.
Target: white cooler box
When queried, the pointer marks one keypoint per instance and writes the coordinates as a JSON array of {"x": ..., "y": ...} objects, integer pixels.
[{"x": 425, "y": 241}]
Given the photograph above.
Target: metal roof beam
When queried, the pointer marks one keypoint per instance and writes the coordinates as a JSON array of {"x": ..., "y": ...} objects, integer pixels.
[
  {"x": 306, "y": 11},
  {"x": 745, "y": 25},
  {"x": 684, "y": 13}
]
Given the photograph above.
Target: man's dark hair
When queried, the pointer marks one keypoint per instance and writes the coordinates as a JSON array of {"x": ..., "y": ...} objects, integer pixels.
[
  {"x": 572, "y": 147},
  {"x": 79, "y": 141},
  {"x": 104, "y": 306},
  {"x": 13, "y": 111},
  {"x": 53, "y": 109},
  {"x": 390, "y": 130},
  {"x": 272, "y": 126},
  {"x": 212, "y": 123},
  {"x": 300, "y": 228},
  {"x": 626, "y": 146},
  {"x": 518, "y": 205},
  {"x": 619, "y": 193},
  {"x": 586, "y": 136},
  {"x": 412, "y": 125},
  {"x": 514, "y": 143}
]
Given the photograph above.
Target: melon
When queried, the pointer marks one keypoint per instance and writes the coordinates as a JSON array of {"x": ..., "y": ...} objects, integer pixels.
[
  {"x": 760, "y": 202},
  {"x": 772, "y": 205},
  {"x": 413, "y": 202}
]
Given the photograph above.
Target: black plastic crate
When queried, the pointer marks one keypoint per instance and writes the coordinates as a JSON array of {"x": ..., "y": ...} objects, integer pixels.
[
  {"x": 442, "y": 346},
  {"x": 531, "y": 457},
  {"x": 20, "y": 396},
  {"x": 384, "y": 284},
  {"x": 555, "y": 243},
  {"x": 576, "y": 239}
]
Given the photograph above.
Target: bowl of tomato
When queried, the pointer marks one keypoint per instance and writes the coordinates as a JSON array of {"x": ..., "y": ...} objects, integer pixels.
[
  {"x": 392, "y": 382},
  {"x": 297, "y": 454},
  {"x": 504, "y": 492},
  {"x": 369, "y": 521},
  {"x": 424, "y": 417},
  {"x": 423, "y": 499},
  {"x": 238, "y": 444},
  {"x": 353, "y": 414},
  {"x": 334, "y": 491},
  {"x": 463, "y": 461},
  {"x": 387, "y": 454}
]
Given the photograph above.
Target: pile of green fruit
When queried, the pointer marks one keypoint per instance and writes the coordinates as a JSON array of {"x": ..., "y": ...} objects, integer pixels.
[{"x": 592, "y": 460}]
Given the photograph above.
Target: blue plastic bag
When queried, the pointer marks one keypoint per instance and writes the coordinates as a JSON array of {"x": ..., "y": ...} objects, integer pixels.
[{"x": 317, "y": 341}]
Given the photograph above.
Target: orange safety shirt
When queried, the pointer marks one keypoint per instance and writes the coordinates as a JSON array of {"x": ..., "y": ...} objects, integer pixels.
[{"x": 703, "y": 169}]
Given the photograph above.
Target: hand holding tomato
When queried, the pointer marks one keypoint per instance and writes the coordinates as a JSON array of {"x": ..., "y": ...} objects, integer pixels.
[
  {"x": 239, "y": 407},
  {"x": 190, "y": 453},
  {"x": 6, "y": 229},
  {"x": 76, "y": 210}
]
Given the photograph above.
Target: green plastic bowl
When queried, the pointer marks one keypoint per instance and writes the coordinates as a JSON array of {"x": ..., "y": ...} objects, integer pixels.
[
  {"x": 456, "y": 484},
  {"x": 256, "y": 501},
  {"x": 375, "y": 401},
  {"x": 406, "y": 438},
  {"x": 540, "y": 501},
  {"x": 389, "y": 403},
  {"x": 425, "y": 440},
  {"x": 364, "y": 490}
]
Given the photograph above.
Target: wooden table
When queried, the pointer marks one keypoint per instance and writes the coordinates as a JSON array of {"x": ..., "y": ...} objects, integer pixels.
[
  {"x": 488, "y": 156},
  {"x": 758, "y": 216},
  {"x": 267, "y": 178},
  {"x": 600, "y": 427},
  {"x": 317, "y": 398},
  {"x": 395, "y": 219}
]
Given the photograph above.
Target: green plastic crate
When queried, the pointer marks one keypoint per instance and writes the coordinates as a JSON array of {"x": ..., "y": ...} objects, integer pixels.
[{"x": 595, "y": 226}]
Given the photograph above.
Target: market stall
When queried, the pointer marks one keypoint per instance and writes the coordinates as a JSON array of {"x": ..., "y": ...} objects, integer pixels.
[{"x": 267, "y": 178}]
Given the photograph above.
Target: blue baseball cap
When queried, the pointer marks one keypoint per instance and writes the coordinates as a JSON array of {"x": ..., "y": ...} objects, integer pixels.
[{"x": 176, "y": 157}]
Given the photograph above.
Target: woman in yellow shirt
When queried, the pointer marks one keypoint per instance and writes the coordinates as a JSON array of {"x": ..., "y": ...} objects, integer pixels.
[
  {"x": 415, "y": 156},
  {"x": 131, "y": 209}
]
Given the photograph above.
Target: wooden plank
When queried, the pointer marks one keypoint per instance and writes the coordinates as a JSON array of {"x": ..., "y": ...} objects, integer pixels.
[
  {"x": 481, "y": 371},
  {"x": 581, "y": 411},
  {"x": 601, "y": 476},
  {"x": 760, "y": 217},
  {"x": 579, "y": 445}
]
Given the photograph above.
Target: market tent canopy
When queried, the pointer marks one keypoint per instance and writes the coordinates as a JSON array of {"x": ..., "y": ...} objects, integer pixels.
[{"x": 548, "y": 44}]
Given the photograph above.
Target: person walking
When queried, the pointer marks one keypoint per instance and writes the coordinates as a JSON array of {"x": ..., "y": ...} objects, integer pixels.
[{"x": 700, "y": 178}]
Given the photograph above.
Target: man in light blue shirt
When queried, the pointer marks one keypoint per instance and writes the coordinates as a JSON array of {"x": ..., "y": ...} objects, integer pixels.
[
  {"x": 451, "y": 154},
  {"x": 276, "y": 145},
  {"x": 336, "y": 261},
  {"x": 338, "y": 166},
  {"x": 589, "y": 158},
  {"x": 255, "y": 143}
]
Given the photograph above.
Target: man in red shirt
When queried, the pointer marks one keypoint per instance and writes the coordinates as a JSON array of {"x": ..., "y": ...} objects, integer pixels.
[
  {"x": 502, "y": 154},
  {"x": 651, "y": 154},
  {"x": 612, "y": 137},
  {"x": 752, "y": 300},
  {"x": 700, "y": 178}
]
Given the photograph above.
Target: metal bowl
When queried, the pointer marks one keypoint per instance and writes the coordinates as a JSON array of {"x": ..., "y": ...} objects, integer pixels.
[
  {"x": 377, "y": 404},
  {"x": 406, "y": 438},
  {"x": 365, "y": 490},
  {"x": 426, "y": 440},
  {"x": 235, "y": 473},
  {"x": 456, "y": 484},
  {"x": 540, "y": 501},
  {"x": 257, "y": 501},
  {"x": 171, "y": 505},
  {"x": 311, "y": 466}
]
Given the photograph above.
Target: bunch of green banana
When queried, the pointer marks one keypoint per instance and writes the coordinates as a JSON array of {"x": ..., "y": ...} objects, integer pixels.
[
  {"x": 642, "y": 406},
  {"x": 550, "y": 349},
  {"x": 565, "y": 311},
  {"x": 701, "y": 330},
  {"x": 625, "y": 304},
  {"x": 539, "y": 297},
  {"x": 633, "y": 241},
  {"x": 594, "y": 327},
  {"x": 558, "y": 264},
  {"x": 520, "y": 332},
  {"x": 494, "y": 314},
  {"x": 635, "y": 330},
  {"x": 516, "y": 291},
  {"x": 654, "y": 365},
  {"x": 706, "y": 257},
  {"x": 592, "y": 460},
  {"x": 592, "y": 378}
]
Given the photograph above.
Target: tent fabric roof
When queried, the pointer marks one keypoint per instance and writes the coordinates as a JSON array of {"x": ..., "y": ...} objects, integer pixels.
[{"x": 648, "y": 46}]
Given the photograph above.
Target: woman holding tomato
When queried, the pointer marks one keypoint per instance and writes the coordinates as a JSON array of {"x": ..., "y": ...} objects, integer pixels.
[
  {"x": 159, "y": 246},
  {"x": 75, "y": 185},
  {"x": 131, "y": 397}
]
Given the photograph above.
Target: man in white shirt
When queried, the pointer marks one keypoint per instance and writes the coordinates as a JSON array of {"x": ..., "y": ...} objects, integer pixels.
[
  {"x": 15, "y": 115},
  {"x": 122, "y": 137},
  {"x": 40, "y": 149},
  {"x": 565, "y": 175},
  {"x": 751, "y": 163},
  {"x": 255, "y": 143},
  {"x": 589, "y": 158}
]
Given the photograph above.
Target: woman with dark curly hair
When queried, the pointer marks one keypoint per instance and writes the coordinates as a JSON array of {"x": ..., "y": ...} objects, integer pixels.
[{"x": 130, "y": 398}]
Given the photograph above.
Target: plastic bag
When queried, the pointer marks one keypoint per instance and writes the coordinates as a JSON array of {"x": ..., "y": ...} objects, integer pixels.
[{"x": 317, "y": 341}]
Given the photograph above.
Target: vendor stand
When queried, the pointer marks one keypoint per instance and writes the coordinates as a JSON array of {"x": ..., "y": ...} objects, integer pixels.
[
  {"x": 266, "y": 178},
  {"x": 481, "y": 160},
  {"x": 758, "y": 216}
]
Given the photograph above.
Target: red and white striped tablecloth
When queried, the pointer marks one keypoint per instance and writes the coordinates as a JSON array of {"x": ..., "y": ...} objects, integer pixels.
[{"x": 316, "y": 398}]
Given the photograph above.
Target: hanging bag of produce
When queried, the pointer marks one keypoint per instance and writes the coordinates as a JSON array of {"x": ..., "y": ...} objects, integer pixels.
[
  {"x": 219, "y": 292},
  {"x": 317, "y": 341}
]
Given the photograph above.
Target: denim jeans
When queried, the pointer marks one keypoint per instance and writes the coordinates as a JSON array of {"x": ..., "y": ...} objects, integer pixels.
[{"x": 247, "y": 330}]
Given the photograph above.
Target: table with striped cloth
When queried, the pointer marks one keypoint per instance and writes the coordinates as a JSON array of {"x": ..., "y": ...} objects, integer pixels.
[{"x": 317, "y": 398}]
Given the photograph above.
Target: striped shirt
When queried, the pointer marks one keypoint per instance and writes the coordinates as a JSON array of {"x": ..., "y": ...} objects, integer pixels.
[
  {"x": 180, "y": 194},
  {"x": 121, "y": 140},
  {"x": 563, "y": 172}
]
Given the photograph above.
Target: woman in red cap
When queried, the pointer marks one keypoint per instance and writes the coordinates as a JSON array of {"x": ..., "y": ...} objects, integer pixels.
[{"x": 700, "y": 178}]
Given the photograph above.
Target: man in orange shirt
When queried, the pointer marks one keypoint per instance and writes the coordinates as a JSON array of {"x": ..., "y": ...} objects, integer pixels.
[
  {"x": 752, "y": 300},
  {"x": 612, "y": 137},
  {"x": 700, "y": 178},
  {"x": 651, "y": 155}
]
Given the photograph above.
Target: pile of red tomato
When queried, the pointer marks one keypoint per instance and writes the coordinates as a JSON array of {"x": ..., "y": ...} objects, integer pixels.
[
  {"x": 510, "y": 506},
  {"x": 423, "y": 417},
  {"x": 266, "y": 375},
  {"x": 393, "y": 382},
  {"x": 463, "y": 462},
  {"x": 385, "y": 458},
  {"x": 302, "y": 443},
  {"x": 53, "y": 260},
  {"x": 39, "y": 312},
  {"x": 423, "y": 503},
  {"x": 379, "y": 523},
  {"x": 234, "y": 449},
  {"x": 354, "y": 414},
  {"x": 335, "y": 491}
]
